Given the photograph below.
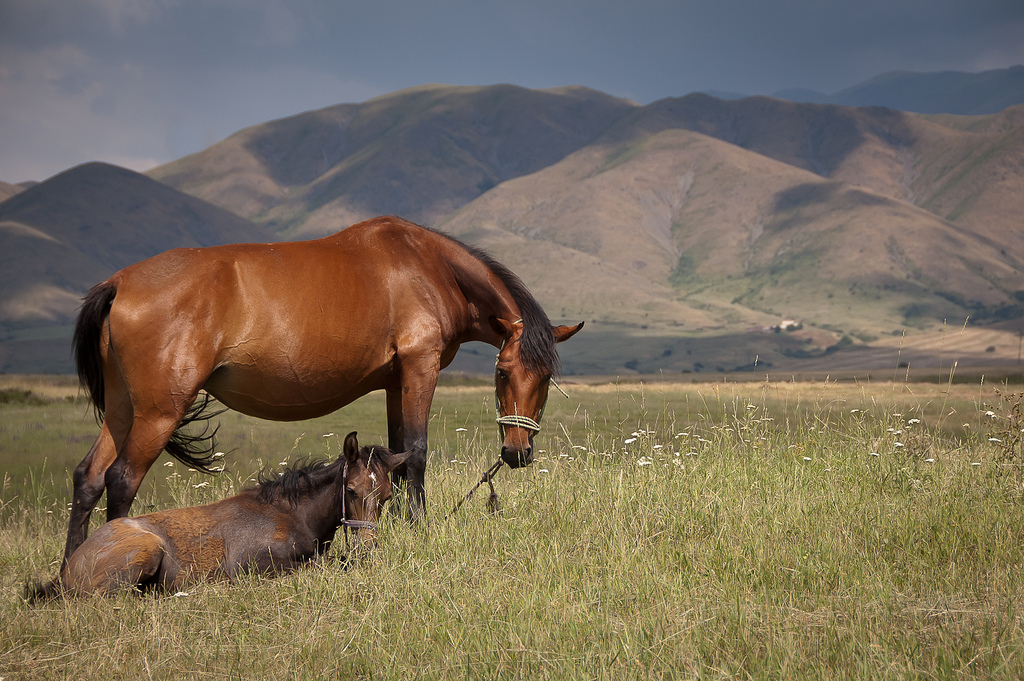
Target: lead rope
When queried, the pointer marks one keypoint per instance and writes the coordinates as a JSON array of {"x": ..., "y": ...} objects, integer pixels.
[{"x": 487, "y": 477}]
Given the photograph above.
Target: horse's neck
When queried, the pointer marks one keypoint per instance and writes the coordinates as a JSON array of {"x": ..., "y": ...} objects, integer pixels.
[{"x": 485, "y": 293}]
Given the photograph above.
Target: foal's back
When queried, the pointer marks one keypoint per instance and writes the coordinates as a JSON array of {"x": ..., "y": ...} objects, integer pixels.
[{"x": 168, "y": 548}]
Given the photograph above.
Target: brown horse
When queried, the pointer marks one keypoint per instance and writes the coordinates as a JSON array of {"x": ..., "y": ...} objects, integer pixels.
[
  {"x": 275, "y": 527},
  {"x": 293, "y": 331}
]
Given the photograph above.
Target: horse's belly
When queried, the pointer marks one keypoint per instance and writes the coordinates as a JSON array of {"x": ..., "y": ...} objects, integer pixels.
[{"x": 288, "y": 395}]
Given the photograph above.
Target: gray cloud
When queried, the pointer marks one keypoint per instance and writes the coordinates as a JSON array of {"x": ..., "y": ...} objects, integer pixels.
[{"x": 139, "y": 82}]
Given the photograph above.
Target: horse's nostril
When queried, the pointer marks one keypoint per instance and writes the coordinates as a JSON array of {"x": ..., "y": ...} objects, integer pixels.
[{"x": 516, "y": 458}]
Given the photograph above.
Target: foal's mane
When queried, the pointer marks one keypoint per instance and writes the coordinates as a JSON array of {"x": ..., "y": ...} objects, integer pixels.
[
  {"x": 537, "y": 344},
  {"x": 304, "y": 479}
]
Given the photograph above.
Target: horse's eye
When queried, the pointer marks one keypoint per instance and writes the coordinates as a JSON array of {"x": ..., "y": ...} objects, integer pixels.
[{"x": 502, "y": 374}]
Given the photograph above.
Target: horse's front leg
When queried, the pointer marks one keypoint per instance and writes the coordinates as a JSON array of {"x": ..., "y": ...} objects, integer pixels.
[{"x": 408, "y": 414}]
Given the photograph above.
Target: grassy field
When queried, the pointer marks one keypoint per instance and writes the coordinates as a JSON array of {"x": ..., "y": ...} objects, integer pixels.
[{"x": 720, "y": 530}]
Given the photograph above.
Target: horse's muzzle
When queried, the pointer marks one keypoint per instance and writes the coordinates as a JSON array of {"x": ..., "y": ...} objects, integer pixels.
[{"x": 517, "y": 458}]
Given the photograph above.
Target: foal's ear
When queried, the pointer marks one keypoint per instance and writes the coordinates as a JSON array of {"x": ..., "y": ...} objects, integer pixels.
[
  {"x": 564, "y": 333},
  {"x": 351, "y": 448},
  {"x": 389, "y": 460}
]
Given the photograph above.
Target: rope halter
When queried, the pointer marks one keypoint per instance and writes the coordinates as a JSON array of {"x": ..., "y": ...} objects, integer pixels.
[
  {"x": 513, "y": 420},
  {"x": 345, "y": 522},
  {"x": 517, "y": 421}
]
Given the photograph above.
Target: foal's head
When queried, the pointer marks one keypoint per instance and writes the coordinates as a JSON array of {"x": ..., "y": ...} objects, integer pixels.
[{"x": 367, "y": 486}]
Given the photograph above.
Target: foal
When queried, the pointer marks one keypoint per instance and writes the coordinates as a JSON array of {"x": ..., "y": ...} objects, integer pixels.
[{"x": 273, "y": 527}]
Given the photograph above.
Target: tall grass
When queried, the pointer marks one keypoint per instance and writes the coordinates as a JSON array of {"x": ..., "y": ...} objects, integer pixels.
[{"x": 720, "y": 531}]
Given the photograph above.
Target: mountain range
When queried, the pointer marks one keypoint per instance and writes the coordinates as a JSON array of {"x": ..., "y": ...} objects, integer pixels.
[
  {"x": 952, "y": 92},
  {"x": 688, "y": 232}
]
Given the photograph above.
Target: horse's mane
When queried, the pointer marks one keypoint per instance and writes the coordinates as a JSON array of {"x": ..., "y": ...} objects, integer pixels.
[
  {"x": 303, "y": 479},
  {"x": 537, "y": 344}
]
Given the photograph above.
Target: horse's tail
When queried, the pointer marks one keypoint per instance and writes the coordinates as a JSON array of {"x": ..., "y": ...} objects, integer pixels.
[
  {"x": 192, "y": 449},
  {"x": 196, "y": 449},
  {"x": 86, "y": 342}
]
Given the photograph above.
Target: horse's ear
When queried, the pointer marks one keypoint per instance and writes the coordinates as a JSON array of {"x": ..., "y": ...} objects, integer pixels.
[
  {"x": 351, "y": 448},
  {"x": 502, "y": 327},
  {"x": 564, "y": 333},
  {"x": 389, "y": 460}
]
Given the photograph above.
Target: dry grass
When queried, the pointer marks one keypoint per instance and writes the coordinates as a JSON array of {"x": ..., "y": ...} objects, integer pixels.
[{"x": 752, "y": 530}]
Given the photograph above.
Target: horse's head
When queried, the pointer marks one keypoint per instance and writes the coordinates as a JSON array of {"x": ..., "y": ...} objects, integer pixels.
[
  {"x": 367, "y": 486},
  {"x": 522, "y": 375}
]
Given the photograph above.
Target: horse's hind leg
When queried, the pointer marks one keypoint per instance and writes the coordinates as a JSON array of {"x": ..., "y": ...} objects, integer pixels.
[
  {"x": 150, "y": 431},
  {"x": 89, "y": 476},
  {"x": 88, "y": 487}
]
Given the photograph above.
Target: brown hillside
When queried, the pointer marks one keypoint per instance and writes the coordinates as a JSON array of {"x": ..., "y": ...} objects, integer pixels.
[
  {"x": 424, "y": 152},
  {"x": 968, "y": 170},
  {"x": 977, "y": 179},
  {"x": 721, "y": 228},
  {"x": 420, "y": 153}
]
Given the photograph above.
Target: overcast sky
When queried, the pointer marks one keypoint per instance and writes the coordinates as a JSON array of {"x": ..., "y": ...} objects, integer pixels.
[{"x": 142, "y": 82}]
